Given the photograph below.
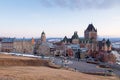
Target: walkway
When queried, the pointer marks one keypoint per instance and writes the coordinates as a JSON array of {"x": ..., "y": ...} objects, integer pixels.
[{"x": 82, "y": 66}]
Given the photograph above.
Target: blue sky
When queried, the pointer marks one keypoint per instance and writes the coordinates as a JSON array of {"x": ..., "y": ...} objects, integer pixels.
[{"x": 57, "y": 18}]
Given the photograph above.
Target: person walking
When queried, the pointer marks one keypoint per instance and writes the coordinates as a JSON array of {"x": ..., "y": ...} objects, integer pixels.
[{"x": 78, "y": 54}]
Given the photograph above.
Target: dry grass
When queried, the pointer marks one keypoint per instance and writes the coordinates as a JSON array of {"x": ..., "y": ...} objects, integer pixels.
[
  {"x": 31, "y": 72},
  {"x": 6, "y": 60}
]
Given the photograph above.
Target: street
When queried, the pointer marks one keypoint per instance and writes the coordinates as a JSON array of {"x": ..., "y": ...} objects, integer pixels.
[{"x": 82, "y": 66}]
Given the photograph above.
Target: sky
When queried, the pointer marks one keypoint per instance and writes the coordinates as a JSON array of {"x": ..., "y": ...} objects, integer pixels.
[{"x": 58, "y": 18}]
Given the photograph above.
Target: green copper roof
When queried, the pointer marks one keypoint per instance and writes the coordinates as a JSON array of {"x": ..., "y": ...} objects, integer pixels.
[
  {"x": 108, "y": 43},
  {"x": 75, "y": 36}
]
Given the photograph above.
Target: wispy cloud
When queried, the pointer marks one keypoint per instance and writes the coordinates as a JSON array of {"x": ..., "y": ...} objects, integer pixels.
[{"x": 80, "y": 4}]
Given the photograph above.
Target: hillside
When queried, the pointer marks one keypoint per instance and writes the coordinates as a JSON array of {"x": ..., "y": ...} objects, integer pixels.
[{"x": 22, "y": 68}]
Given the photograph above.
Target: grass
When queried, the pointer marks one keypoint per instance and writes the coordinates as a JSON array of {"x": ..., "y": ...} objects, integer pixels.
[{"x": 14, "y": 69}]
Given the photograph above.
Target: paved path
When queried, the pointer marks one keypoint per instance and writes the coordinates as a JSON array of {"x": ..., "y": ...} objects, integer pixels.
[
  {"x": 116, "y": 69},
  {"x": 82, "y": 66}
]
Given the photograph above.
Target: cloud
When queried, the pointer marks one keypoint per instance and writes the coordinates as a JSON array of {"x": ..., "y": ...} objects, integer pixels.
[{"x": 80, "y": 4}]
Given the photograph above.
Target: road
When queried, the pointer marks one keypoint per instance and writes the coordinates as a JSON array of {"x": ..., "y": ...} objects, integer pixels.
[{"x": 82, "y": 66}]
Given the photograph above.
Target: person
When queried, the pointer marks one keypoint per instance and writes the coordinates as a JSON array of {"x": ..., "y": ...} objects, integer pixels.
[{"x": 78, "y": 54}]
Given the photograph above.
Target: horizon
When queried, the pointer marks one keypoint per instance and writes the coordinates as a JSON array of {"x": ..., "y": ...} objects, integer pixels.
[
  {"x": 100, "y": 37},
  {"x": 58, "y": 18}
]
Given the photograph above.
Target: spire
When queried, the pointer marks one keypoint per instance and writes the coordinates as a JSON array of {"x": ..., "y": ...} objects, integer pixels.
[
  {"x": 75, "y": 35},
  {"x": 65, "y": 38},
  {"x": 103, "y": 42},
  {"x": 103, "y": 39},
  {"x": 43, "y": 37}
]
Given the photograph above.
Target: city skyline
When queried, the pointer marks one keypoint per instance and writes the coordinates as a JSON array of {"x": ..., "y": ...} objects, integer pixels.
[{"x": 58, "y": 18}]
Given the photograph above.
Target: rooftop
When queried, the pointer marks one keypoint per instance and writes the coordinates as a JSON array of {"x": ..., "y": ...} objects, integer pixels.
[
  {"x": 91, "y": 28},
  {"x": 8, "y": 40}
]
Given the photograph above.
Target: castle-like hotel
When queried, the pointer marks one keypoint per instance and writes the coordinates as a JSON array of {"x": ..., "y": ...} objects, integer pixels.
[
  {"x": 89, "y": 41},
  {"x": 68, "y": 46}
]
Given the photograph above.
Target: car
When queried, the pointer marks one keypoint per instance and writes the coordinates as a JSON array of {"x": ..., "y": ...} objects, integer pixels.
[{"x": 104, "y": 65}]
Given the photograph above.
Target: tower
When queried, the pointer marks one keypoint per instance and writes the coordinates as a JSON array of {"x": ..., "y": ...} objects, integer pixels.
[
  {"x": 106, "y": 45},
  {"x": 43, "y": 37},
  {"x": 75, "y": 38},
  {"x": 65, "y": 40},
  {"x": 90, "y": 32}
]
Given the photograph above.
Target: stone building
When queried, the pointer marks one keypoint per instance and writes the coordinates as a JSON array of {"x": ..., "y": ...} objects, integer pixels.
[
  {"x": 89, "y": 42},
  {"x": 17, "y": 45},
  {"x": 42, "y": 47},
  {"x": 24, "y": 45},
  {"x": 7, "y": 44},
  {"x": 90, "y": 32},
  {"x": 105, "y": 45},
  {"x": 75, "y": 38}
]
